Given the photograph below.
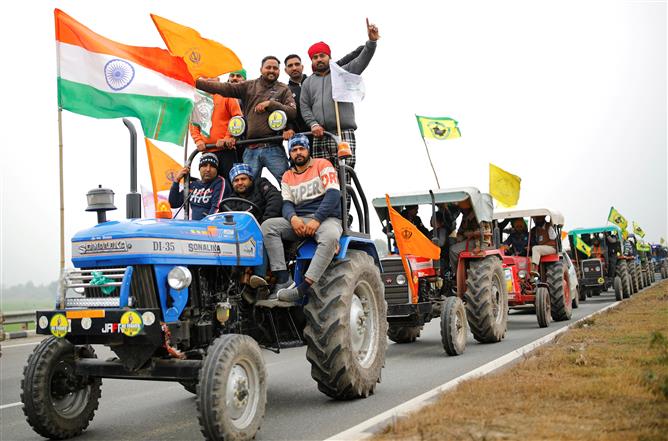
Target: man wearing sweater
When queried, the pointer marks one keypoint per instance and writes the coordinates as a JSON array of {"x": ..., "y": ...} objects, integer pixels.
[
  {"x": 311, "y": 208},
  {"x": 317, "y": 105}
]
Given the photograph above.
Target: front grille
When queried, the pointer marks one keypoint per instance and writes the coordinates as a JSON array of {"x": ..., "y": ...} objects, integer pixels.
[
  {"x": 592, "y": 268},
  {"x": 395, "y": 294}
]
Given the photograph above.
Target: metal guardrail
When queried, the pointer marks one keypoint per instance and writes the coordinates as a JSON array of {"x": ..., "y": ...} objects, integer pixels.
[{"x": 20, "y": 317}]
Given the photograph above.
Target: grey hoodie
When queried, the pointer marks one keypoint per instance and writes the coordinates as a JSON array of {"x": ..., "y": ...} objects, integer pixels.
[{"x": 317, "y": 105}]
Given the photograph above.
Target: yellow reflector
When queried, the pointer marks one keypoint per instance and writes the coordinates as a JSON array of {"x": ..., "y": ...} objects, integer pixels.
[{"x": 85, "y": 313}]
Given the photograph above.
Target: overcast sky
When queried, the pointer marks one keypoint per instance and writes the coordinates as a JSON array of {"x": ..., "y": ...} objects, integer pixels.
[{"x": 569, "y": 95}]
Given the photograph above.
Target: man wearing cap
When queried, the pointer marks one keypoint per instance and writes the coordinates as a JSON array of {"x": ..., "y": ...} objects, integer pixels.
[
  {"x": 317, "y": 105},
  {"x": 223, "y": 110},
  {"x": 311, "y": 208},
  {"x": 238, "y": 76},
  {"x": 260, "y": 98},
  {"x": 262, "y": 193},
  {"x": 205, "y": 194}
]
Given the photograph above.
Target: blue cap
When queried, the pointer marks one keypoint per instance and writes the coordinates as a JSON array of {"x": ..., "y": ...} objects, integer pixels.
[
  {"x": 240, "y": 169},
  {"x": 209, "y": 158},
  {"x": 296, "y": 140}
]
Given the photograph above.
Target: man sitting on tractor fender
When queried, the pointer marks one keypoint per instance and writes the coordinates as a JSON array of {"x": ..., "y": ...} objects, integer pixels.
[
  {"x": 544, "y": 238},
  {"x": 311, "y": 208},
  {"x": 469, "y": 234},
  {"x": 205, "y": 194},
  {"x": 263, "y": 194}
]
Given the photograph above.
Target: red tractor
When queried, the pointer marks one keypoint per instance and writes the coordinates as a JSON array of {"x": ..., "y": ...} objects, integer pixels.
[
  {"x": 419, "y": 289},
  {"x": 547, "y": 285}
]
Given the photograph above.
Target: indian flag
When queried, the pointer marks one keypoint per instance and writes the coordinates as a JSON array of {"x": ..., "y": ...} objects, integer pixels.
[{"x": 100, "y": 78}]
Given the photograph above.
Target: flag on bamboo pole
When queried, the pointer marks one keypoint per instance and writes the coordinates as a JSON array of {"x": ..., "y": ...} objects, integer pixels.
[
  {"x": 616, "y": 218},
  {"x": 410, "y": 241},
  {"x": 346, "y": 87},
  {"x": 637, "y": 230},
  {"x": 101, "y": 78},
  {"x": 163, "y": 173},
  {"x": 439, "y": 128},
  {"x": 582, "y": 246},
  {"x": 504, "y": 186},
  {"x": 204, "y": 57}
]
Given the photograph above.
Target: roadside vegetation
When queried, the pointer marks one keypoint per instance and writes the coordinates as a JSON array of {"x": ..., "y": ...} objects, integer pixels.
[{"x": 606, "y": 379}]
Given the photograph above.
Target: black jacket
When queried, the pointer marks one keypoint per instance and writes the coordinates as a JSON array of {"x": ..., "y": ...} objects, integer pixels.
[{"x": 264, "y": 195}]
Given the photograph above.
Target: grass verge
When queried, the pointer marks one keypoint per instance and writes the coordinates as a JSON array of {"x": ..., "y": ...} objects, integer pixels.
[{"x": 606, "y": 379}]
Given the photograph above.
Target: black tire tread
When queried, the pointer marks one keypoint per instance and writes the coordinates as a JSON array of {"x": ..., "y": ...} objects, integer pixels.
[
  {"x": 560, "y": 308},
  {"x": 479, "y": 303}
]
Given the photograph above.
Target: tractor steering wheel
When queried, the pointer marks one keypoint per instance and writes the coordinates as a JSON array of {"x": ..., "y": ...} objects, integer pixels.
[{"x": 252, "y": 205}]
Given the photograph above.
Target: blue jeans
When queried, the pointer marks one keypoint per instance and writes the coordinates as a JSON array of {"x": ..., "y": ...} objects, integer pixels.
[{"x": 272, "y": 157}]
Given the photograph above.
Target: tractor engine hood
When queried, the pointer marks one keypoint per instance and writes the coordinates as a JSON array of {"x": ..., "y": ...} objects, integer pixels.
[{"x": 213, "y": 240}]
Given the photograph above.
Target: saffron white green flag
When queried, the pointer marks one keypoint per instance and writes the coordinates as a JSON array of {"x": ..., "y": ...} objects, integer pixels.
[
  {"x": 101, "y": 78},
  {"x": 346, "y": 87}
]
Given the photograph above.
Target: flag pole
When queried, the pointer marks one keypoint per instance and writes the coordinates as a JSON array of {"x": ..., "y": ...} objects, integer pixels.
[
  {"x": 338, "y": 121},
  {"x": 431, "y": 163},
  {"x": 62, "y": 194}
]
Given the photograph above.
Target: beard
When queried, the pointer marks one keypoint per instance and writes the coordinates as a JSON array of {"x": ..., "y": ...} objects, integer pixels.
[
  {"x": 320, "y": 67},
  {"x": 300, "y": 160}
]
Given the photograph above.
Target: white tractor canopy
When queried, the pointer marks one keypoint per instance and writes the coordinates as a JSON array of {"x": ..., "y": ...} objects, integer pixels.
[
  {"x": 481, "y": 202},
  {"x": 555, "y": 216}
]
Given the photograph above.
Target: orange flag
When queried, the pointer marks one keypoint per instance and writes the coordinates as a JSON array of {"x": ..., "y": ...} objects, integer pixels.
[
  {"x": 204, "y": 57},
  {"x": 162, "y": 167},
  {"x": 409, "y": 239}
]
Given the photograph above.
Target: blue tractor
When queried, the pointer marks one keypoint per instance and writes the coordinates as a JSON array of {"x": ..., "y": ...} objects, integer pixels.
[{"x": 173, "y": 300}]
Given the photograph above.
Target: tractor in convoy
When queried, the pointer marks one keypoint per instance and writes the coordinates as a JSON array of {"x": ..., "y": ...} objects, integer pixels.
[
  {"x": 550, "y": 289},
  {"x": 601, "y": 262},
  {"x": 172, "y": 299},
  {"x": 418, "y": 289},
  {"x": 660, "y": 259}
]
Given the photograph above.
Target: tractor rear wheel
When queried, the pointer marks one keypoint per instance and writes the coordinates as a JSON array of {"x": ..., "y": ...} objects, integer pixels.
[
  {"x": 634, "y": 277},
  {"x": 543, "y": 310},
  {"x": 663, "y": 273},
  {"x": 232, "y": 391},
  {"x": 582, "y": 293},
  {"x": 486, "y": 300},
  {"x": 403, "y": 334},
  {"x": 623, "y": 271},
  {"x": 560, "y": 293},
  {"x": 346, "y": 328},
  {"x": 617, "y": 284},
  {"x": 453, "y": 326},
  {"x": 57, "y": 403}
]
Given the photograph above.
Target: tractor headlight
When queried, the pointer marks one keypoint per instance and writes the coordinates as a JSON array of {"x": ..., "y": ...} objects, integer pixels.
[
  {"x": 522, "y": 274},
  {"x": 179, "y": 277},
  {"x": 598, "y": 268},
  {"x": 401, "y": 279}
]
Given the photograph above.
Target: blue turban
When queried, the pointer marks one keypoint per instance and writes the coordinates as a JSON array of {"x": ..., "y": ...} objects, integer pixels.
[
  {"x": 240, "y": 169},
  {"x": 298, "y": 140}
]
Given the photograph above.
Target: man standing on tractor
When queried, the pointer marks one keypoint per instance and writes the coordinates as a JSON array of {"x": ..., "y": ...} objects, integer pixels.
[
  {"x": 205, "y": 194},
  {"x": 317, "y": 105},
  {"x": 311, "y": 208},
  {"x": 261, "y": 97},
  {"x": 262, "y": 193},
  {"x": 471, "y": 236},
  {"x": 543, "y": 240},
  {"x": 219, "y": 134}
]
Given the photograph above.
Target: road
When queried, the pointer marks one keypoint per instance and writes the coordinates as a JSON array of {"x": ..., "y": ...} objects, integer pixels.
[{"x": 132, "y": 410}]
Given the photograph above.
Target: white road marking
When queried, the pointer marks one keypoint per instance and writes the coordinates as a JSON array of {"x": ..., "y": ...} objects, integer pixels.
[
  {"x": 22, "y": 344},
  {"x": 7, "y": 406},
  {"x": 368, "y": 428}
]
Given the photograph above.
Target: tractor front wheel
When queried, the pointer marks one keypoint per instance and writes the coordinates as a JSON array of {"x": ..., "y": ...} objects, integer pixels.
[
  {"x": 453, "y": 326},
  {"x": 57, "y": 403},
  {"x": 403, "y": 334},
  {"x": 232, "y": 391},
  {"x": 543, "y": 309},
  {"x": 560, "y": 294},
  {"x": 617, "y": 284}
]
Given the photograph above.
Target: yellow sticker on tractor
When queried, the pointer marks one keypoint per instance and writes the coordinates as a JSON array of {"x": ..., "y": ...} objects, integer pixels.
[
  {"x": 601, "y": 280},
  {"x": 59, "y": 325},
  {"x": 131, "y": 323}
]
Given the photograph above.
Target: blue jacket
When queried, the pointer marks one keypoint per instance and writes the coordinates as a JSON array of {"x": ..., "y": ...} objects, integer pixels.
[{"x": 204, "y": 197}]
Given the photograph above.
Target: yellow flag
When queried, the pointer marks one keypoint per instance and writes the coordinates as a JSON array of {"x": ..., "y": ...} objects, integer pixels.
[
  {"x": 162, "y": 167},
  {"x": 616, "y": 218},
  {"x": 662, "y": 241},
  {"x": 204, "y": 57},
  {"x": 637, "y": 230},
  {"x": 504, "y": 186},
  {"x": 582, "y": 246},
  {"x": 438, "y": 128}
]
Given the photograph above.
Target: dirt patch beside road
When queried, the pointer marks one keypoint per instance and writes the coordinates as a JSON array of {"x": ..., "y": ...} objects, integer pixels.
[{"x": 606, "y": 379}]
